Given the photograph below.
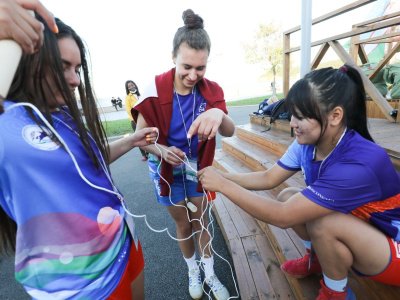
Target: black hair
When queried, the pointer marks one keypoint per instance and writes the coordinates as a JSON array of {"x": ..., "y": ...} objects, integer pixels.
[
  {"x": 192, "y": 33},
  {"x": 315, "y": 95},
  {"x": 127, "y": 90}
]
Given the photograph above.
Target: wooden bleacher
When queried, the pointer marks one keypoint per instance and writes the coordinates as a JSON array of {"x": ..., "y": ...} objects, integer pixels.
[{"x": 258, "y": 248}]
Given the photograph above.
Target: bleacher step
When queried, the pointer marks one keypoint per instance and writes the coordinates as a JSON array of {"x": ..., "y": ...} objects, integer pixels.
[
  {"x": 275, "y": 141},
  {"x": 265, "y": 121},
  {"x": 239, "y": 228}
]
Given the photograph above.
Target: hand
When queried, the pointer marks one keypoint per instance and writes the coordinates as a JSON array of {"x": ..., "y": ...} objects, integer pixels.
[
  {"x": 210, "y": 179},
  {"x": 207, "y": 124},
  {"x": 172, "y": 155},
  {"x": 18, "y": 24},
  {"x": 145, "y": 136}
]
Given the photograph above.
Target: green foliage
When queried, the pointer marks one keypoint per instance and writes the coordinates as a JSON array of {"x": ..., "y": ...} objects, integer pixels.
[
  {"x": 267, "y": 48},
  {"x": 118, "y": 127}
]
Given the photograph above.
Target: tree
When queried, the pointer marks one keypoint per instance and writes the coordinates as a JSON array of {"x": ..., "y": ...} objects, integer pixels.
[{"x": 267, "y": 49}]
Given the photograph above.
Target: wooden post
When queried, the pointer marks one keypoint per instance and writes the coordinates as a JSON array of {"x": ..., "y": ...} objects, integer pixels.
[{"x": 368, "y": 85}]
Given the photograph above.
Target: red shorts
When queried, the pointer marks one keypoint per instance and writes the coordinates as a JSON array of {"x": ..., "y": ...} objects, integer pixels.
[
  {"x": 391, "y": 273},
  {"x": 134, "y": 267}
]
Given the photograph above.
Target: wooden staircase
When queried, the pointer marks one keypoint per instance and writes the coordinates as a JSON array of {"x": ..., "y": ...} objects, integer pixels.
[{"x": 258, "y": 248}]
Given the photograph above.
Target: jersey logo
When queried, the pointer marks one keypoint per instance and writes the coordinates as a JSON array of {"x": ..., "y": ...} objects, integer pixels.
[{"x": 39, "y": 138}]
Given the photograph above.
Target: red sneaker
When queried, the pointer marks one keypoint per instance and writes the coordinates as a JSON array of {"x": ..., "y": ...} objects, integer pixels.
[
  {"x": 303, "y": 266},
  {"x": 326, "y": 293}
]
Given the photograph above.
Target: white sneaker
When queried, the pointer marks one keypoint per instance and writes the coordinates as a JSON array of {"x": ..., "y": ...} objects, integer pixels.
[
  {"x": 218, "y": 289},
  {"x": 195, "y": 285}
]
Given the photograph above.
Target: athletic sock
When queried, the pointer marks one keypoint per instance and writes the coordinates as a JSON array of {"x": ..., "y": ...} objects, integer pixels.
[
  {"x": 307, "y": 244},
  {"x": 335, "y": 285},
  {"x": 191, "y": 262}
]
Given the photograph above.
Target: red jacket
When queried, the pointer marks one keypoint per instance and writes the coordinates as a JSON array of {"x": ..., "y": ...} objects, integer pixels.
[{"x": 157, "y": 112}]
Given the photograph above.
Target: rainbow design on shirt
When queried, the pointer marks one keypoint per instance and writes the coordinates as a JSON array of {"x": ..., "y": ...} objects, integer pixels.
[{"x": 53, "y": 253}]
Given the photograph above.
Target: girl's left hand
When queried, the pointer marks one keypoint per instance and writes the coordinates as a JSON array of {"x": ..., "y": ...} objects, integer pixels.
[
  {"x": 145, "y": 136},
  {"x": 207, "y": 124},
  {"x": 210, "y": 179}
]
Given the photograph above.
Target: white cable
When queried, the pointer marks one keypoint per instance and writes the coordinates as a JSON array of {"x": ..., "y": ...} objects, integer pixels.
[{"x": 121, "y": 198}]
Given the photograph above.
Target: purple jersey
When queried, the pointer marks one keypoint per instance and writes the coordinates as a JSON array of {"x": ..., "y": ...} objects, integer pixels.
[
  {"x": 186, "y": 108},
  {"x": 357, "y": 173},
  {"x": 72, "y": 241}
]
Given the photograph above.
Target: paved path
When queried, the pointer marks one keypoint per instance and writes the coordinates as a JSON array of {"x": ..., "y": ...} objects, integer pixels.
[{"x": 165, "y": 271}]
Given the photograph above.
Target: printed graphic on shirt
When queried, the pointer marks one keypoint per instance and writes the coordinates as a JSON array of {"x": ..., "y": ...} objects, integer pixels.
[
  {"x": 39, "y": 138},
  {"x": 396, "y": 248}
]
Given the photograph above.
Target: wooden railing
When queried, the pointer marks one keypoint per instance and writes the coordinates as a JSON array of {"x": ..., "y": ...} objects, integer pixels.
[{"x": 356, "y": 50}]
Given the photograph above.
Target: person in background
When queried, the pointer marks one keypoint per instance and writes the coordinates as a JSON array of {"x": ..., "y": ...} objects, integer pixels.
[
  {"x": 132, "y": 97},
  {"x": 66, "y": 223},
  {"x": 352, "y": 195},
  {"x": 188, "y": 110}
]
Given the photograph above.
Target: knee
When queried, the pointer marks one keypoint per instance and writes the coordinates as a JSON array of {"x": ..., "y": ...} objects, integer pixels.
[
  {"x": 184, "y": 227},
  {"x": 323, "y": 226},
  {"x": 285, "y": 194}
]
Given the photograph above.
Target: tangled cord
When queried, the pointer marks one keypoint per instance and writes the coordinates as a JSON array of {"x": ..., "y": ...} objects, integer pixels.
[{"x": 114, "y": 191}]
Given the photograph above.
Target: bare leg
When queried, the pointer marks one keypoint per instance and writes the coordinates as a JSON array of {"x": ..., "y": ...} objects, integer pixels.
[
  {"x": 300, "y": 229},
  {"x": 342, "y": 241},
  {"x": 203, "y": 237},
  {"x": 137, "y": 287},
  {"x": 183, "y": 229}
]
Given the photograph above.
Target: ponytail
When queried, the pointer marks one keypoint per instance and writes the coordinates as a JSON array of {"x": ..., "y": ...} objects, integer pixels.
[{"x": 356, "y": 112}]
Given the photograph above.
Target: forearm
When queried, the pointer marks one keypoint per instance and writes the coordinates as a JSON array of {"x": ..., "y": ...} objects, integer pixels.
[
  {"x": 262, "y": 208},
  {"x": 250, "y": 181},
  {"x": 121, "y": 146},
  {"x": 227, "y": 127}
]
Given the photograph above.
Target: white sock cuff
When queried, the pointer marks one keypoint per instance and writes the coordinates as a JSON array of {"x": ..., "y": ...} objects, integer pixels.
[
  {"x": 307, "y": 244},
  {"x": 335, "y": 285},
  {"x": 191, "y": 262}
]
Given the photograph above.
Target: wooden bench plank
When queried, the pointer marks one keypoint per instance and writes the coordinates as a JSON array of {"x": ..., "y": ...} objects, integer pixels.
[
  {"x": 244, "y": 276},
  {"x": 258, "y": 270},
  {"x": 270, "y": 140}
]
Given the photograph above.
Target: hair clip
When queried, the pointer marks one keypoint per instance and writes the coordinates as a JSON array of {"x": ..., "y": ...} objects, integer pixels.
[{"x": 343, "y": 69}]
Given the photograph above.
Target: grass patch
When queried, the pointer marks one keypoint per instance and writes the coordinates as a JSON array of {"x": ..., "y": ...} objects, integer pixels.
[
  {"x": 121, "y": 127},
  {"x": 251, "y": 101},
  {"x": 117, "y": 127}
]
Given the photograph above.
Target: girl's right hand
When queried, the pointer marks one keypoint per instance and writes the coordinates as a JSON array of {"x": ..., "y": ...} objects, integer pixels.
[
  {"x": 18, "y": 24},
  {"x": 172, "y": 155}
]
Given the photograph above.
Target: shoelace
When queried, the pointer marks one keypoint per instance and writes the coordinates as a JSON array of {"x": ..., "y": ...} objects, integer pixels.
[
  {"x": 194, "y": 278},
  {"x": 214, "y": 283}
]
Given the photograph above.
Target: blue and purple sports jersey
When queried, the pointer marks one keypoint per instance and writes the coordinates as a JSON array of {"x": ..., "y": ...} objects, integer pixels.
[
  {"x": 192, "y": 106},
  {"x": 72, "y": 241},
  {"x": 357, "y": 177}
]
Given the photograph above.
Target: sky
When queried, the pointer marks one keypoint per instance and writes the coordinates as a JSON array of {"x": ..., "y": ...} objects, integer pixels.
[{"x": 133, "y": 39}]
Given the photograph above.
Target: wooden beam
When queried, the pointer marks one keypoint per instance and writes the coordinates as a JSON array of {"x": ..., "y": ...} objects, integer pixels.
[
  {"x": 333, "y": 14},
  {"x": 362, "y": 54},
  {"x": 368, "y": 85},
  {"x": 378, "y": 19},
  {"x": 378, "y": 39},
  {"x": 389, "y": 23},
  {"x": 322, "y": 51},
  {"x": 286, "y": 64}
]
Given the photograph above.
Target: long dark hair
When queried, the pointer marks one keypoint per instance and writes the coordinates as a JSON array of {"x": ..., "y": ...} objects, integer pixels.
[
  {"x": 31, "y": 85},
  {"x": 315, "y": 95}
]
